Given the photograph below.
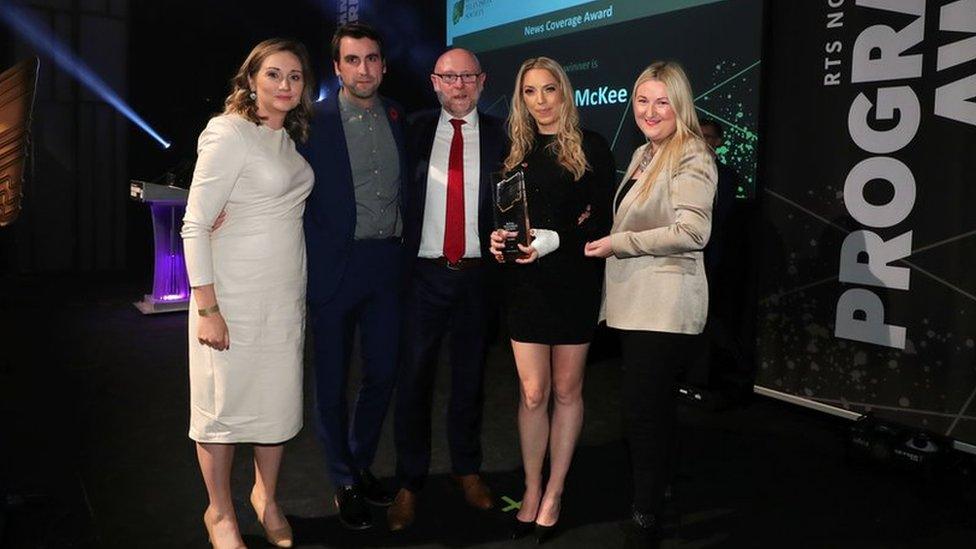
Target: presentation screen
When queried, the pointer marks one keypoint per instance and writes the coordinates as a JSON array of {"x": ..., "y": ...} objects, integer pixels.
[{"x": 604, "y": 45}]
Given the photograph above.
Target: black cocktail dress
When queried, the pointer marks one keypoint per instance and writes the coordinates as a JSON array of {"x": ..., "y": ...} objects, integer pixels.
[{"x": 556, "y": 299}]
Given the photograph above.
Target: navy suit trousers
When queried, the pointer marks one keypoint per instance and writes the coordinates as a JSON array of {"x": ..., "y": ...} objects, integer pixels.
[
  {"x": 441, "y": 302},
  {"x": 368, "y": 297}
]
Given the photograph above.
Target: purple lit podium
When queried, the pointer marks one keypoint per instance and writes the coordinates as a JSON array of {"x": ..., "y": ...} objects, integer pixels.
[{"x": 171, "y": 288}]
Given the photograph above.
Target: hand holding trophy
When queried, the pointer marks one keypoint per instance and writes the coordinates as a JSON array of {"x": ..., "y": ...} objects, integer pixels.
[{"x": 511, "y": 218}]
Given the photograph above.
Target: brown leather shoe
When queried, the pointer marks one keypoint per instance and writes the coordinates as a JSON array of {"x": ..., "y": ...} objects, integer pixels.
[
  {"x": 401, "y": 513},
  {"x": 476, "y": 492}
]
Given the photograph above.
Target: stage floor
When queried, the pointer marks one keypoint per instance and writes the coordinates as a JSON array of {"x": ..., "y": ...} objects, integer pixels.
[{"x": 95, "y": 453}]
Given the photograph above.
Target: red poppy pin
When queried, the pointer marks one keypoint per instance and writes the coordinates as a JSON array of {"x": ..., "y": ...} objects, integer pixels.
[{"x": 394, "y": 114}]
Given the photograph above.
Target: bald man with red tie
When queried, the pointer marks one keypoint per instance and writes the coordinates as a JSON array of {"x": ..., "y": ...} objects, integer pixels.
[{"x": 447, "y": 221}]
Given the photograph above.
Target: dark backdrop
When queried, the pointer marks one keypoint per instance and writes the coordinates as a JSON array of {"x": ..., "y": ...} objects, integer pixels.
[
  {"x": 930, "y": 381},
  {"x": 186, "y": 51},
  {"x": 171, "y": 61}
]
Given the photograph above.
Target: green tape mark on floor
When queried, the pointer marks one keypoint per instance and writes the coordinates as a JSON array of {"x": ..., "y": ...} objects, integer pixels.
[{"x": 511, "y": 504}]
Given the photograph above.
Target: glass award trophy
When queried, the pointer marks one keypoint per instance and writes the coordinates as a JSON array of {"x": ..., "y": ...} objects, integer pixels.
[{"x": 512, "y": 212}]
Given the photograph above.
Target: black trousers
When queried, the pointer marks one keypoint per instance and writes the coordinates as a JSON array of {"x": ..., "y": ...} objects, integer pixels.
[
  {"x": 441, "y": 302},
  {"x": 651, "y": 363}
]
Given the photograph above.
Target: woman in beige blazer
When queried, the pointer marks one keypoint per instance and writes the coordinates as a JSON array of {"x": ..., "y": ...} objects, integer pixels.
[{"x": 656, "y": 295}]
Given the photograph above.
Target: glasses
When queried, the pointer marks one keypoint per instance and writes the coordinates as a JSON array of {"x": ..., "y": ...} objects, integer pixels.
[{"x": 466, "y": 78}]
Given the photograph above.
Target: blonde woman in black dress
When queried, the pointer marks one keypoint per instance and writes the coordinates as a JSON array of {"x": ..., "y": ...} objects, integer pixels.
[{"x": 552, "y": 291}]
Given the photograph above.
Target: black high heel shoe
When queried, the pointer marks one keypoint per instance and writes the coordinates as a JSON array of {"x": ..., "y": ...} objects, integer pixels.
[
  {"x": 518, "y": 529},
  {"x": 544, "y": 533}
]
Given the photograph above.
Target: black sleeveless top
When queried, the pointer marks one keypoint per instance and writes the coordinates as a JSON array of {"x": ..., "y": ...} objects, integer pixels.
[{"x": 623, "y": 192}]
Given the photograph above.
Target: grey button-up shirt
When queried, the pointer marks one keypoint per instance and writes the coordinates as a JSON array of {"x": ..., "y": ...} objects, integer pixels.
[{"x": 375, "y": 164}]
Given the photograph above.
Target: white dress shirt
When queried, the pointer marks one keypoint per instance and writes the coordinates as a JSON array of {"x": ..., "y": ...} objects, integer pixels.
[{"x": 435, "y": 205}]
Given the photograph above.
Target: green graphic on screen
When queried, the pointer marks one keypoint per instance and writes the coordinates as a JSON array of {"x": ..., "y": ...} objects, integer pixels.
[
  {"x": 605, "y": 44},
  {"x": 726, "y": 103}
]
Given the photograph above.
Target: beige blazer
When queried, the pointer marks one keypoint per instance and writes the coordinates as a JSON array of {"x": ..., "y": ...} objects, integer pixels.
[{"x": 655, "y": 279}]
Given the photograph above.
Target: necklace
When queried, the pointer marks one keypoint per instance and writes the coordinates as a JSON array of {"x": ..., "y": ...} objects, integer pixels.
[{"x": 646, "y": 158}]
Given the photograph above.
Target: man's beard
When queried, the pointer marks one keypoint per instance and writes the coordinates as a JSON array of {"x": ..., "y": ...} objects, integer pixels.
[
  {"x": 450, "y": 104},
  {"x": 362, "y": 94}
]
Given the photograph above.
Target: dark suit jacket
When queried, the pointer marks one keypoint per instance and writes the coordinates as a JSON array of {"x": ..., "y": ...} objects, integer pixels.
[
  {"x": 421, "y": 130},
  {"x": 330, "y": 211},
  {"x": 724, "y": 235}
]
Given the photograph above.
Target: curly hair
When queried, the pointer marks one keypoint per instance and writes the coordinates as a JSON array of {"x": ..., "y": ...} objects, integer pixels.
[
  {"x": 568, "y": 144},
  {"x": 239, "y": 101}
]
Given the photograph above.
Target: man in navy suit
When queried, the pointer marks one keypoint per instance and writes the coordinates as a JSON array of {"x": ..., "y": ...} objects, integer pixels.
[
  {"x": 447, "y": 222},
  {"x": 353, "y": 232}
]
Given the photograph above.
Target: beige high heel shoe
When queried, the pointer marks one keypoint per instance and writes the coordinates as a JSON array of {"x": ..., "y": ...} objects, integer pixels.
[
  {"x": 209, "y": 524},
  {"x": 280, "y": 537}
]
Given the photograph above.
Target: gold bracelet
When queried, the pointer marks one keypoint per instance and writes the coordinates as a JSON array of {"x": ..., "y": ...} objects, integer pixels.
[{"x": 209, "y": 311}]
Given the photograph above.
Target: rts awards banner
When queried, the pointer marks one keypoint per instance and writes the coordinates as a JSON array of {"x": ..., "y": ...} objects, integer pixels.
[{"x": 868, "y": 283}]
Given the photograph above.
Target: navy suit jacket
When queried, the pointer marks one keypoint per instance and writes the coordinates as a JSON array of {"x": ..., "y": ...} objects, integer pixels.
[
  {"x": 422, "y": 127},
  {"x": 330, "y": 211}
]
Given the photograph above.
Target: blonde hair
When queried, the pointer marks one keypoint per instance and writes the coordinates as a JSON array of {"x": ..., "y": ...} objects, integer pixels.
[
  {"x": 239, "y": 101},
  {"x": 687, "y": 128},
  {"x": 568, "y": 143}
]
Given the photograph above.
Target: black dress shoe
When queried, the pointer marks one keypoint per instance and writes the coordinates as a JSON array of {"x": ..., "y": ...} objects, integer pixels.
[
  {"x": 518, "y": 529},
  {"x": 643, "y": 531},
  {"x": 353, "y": 511},
  {"x": 373, "y": 491}
]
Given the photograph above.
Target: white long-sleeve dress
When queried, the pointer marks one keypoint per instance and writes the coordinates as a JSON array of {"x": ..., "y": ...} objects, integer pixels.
[{"x": 251, "y": 392}]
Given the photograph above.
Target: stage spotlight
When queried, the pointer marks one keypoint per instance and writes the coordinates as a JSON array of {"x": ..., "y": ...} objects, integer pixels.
[
  {"x": 34, "y": 33},
  {"x": 327, "y": 86},
  {"x": 898, "y": 446}
]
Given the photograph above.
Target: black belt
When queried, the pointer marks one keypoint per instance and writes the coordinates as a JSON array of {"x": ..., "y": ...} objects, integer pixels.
[{"x": 459, "y": 265}]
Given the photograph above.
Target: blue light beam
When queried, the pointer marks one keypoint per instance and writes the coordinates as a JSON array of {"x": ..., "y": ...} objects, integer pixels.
[
  {"x": 323, "y": 92},
  {"x": 40, "y": 38}
]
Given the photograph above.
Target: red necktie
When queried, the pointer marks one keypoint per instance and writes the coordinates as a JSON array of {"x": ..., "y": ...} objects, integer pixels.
[{"x": 454, "y": 225}]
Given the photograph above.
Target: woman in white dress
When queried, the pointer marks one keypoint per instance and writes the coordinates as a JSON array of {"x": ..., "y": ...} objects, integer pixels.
[{"x": 247, "y": 309}]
